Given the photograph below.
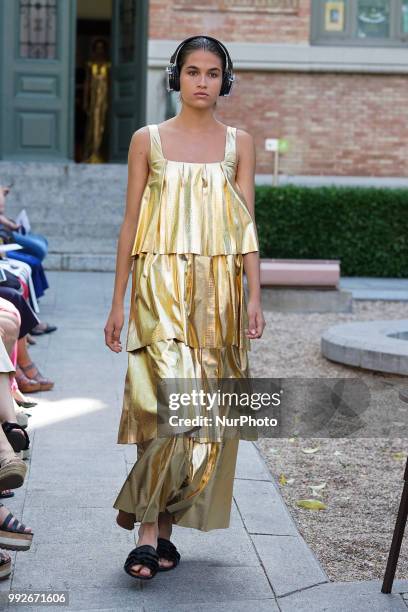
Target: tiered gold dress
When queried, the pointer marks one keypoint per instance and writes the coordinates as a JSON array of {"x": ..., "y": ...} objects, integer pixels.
[{"x": 187, "y": 320}]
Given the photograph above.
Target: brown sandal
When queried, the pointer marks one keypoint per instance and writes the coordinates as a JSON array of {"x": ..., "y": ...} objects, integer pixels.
[
  {"x": 25, "y": 384},
  {"x": 45, "y": 383},
  {"x": 5, "y": 565},
  {"x": 12, "y": 472}
]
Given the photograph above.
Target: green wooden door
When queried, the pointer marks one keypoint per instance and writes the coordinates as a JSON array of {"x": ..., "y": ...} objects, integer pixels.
[
  {"x": 129, "y": 73},
  {"x": 37, "y": 42}
]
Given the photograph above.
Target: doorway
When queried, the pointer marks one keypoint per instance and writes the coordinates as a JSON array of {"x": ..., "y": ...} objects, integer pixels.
[{"x": 92, "y": 81}]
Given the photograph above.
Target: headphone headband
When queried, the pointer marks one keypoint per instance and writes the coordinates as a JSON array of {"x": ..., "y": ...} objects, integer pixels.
[{"x": 173, "y": 83}]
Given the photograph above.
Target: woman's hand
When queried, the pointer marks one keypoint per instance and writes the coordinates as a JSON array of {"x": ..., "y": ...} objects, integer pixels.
[
  {"x": 256, "y": 321},
  {"x": 8, "y": 223},
  {"x": 113, "y": 328}
]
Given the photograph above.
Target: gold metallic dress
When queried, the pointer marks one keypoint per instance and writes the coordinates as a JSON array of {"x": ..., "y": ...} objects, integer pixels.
[{"x": 187, "y": 321}]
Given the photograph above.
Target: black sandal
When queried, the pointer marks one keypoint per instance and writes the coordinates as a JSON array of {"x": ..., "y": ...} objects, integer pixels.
[
  {"x": 17, "y": 441},
  {"x": 13, "y": 534},
  {"x": 142, "y": 555},
  {"x": 166, "y": 550}
]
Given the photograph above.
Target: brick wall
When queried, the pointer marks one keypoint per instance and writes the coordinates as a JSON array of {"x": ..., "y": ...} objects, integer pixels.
[
  {"x": 336, "y": 124},
  {"x": 166, "y": 22}
]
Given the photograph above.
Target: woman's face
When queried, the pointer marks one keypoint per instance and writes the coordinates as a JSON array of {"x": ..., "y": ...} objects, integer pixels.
[{"x": 201, "y": 73}]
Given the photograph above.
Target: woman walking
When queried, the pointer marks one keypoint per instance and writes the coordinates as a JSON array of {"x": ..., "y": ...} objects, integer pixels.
[{"x": 190, "y": 201}]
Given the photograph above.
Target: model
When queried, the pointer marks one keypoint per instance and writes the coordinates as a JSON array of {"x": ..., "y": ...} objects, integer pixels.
[{"x": 189, "y": 230}]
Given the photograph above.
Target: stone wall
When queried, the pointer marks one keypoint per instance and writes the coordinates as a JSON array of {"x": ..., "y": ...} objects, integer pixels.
[{"x": 78, "y": 207}]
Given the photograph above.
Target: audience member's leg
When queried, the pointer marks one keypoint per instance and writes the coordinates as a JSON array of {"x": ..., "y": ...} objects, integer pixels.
[
  {"x": 38, "y": 275},
  {"x": 27, "y": 316},
  {"x": 29, "y": 369},
  {"x": 33, "y": 244}
]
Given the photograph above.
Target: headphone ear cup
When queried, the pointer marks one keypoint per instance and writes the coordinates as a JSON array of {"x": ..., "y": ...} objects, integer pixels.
[
  {"x": 171, "y": 77},
  {"x": 226, "y": 85},
  {"x": 176, "y": 79}
]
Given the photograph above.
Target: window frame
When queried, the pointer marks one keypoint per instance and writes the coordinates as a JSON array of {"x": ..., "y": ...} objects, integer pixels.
[{"x": 318, "y": 37}]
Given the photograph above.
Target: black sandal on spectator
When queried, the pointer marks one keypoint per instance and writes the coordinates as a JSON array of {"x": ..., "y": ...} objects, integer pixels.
[
  {"x": 166, "y": 550},
  {"x": 39, "y": 331},
  {"x": 18, "y": 441},
  {"x": 25, "y": 403},
  {"x": 3, "y": 494},
  {"x": 13, "y": 534},
  {"x": 145, "y": 555},
  {"x": 5, "y": 565}
]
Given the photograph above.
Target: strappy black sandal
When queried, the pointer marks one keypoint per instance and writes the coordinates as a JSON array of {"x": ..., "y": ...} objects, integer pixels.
[
  {"x": 13, "y": 534},
  {"x": 142, "y": 555},
  {"x": 17, "y": 441},
  {"x": 166, "y": 550}
]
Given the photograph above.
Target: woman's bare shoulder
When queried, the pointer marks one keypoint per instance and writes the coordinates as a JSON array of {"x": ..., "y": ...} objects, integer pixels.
[
  {"x": 140, "y": 141},
  {"x": 245, "y": 144},
  {"x": 244, "y": 136}
]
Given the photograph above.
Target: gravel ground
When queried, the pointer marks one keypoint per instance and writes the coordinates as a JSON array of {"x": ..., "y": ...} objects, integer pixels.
[{"x": 363, "y": 476}]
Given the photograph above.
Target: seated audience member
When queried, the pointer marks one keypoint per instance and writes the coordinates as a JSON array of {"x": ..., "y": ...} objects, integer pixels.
[
  {"x": 33, "y": 244},
  {"x": 13, "y": 534},
  {"x": 28, "y": 379},
  {"x": 9, "y": 226}
]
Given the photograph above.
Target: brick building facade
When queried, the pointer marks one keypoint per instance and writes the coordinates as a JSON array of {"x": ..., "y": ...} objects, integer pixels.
[{"x": 342, "y": 104}]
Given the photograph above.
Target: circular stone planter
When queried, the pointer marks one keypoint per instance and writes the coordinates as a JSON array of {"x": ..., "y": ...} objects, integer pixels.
[{"x": 374, "y": 345}]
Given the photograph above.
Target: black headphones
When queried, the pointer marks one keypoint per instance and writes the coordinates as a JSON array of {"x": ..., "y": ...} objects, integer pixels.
[{"x": 173, "y": 77}]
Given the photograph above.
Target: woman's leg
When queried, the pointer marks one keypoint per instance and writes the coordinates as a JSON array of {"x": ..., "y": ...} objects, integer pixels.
[
  {"x": 32, "y": 244},
  {"x": 7, "y": 412},
  {"x": 28, "y": 317},
  {"x": 9, "y": 326},
  {"x": 38, "y": 275}
]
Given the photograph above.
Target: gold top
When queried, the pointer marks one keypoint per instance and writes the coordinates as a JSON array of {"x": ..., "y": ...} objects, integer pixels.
[
  {"x": 193, "y": 207},
  {"x": 188, "y": 308}
]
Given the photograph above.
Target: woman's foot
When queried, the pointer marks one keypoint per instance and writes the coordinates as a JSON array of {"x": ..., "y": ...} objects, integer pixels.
[
  {"x": 23, "y": 400},
  {"x": 43, "y": 328},
  {"x": 32, "y": 372},
  {"x": 148, "y": 533},
  {"x": 165, "y": 529},
  {"x": 5, "y": 565},
  {"x": 25, "y": 384},
  {"x": 14, "y": 535},
  {"x": 6, "y": 493},
  {"x": 12, "y": 469}
]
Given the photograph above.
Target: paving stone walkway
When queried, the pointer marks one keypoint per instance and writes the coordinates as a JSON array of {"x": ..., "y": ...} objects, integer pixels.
[{"x": 76, "y": 469}]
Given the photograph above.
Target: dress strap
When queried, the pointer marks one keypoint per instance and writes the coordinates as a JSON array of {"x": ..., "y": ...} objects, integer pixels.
[
  {"x": 231, "y": 143},
  {"x": 156, "y": 152}
]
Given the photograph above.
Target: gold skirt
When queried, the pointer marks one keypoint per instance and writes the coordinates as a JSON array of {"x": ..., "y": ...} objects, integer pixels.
[
  {"x": 199, "y": 302},
  {"x": 191, "y": 480}
]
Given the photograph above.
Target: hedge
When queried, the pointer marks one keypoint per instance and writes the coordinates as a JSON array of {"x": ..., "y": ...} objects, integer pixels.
[{"x": 366, "y": 228}]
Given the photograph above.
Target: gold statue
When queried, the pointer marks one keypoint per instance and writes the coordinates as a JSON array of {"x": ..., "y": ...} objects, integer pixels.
[{"x": 96, "y": 95}]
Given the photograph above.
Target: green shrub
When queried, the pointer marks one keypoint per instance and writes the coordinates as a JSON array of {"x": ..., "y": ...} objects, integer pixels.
[{"x": 365, "y": 228}]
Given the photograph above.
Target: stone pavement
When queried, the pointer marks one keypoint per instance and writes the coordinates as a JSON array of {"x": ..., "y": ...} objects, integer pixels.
[
  {"x": 366, "y": 288},
  {"x": 76, "y": 469}
]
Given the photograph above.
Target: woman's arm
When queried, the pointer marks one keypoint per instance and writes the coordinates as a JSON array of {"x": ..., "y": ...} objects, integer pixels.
[
  {"x": 8, "y": 223},
  {"x": 245, "y": 180},
  {"x": 138, "y": 171}
]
